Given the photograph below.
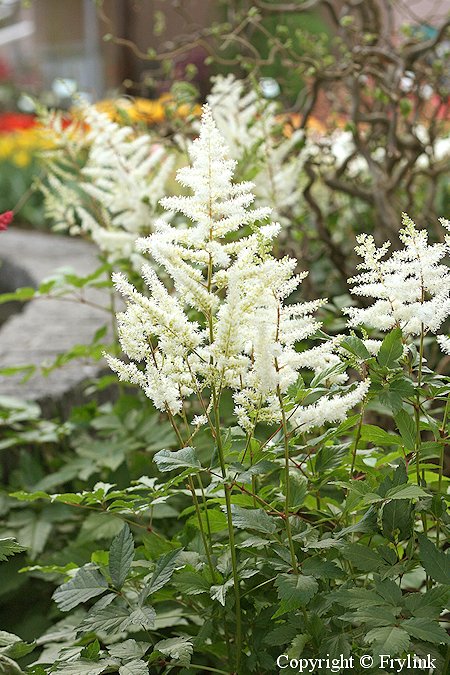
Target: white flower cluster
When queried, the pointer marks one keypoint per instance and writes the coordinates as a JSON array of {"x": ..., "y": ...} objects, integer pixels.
[
  {"x": 444, "y": 343},
  {"x": 120, "y": 184},
  {"x": 251, "y": 128},
  {"x": 226, "y": 324},
  {"x": 339, "y": 149},
  {"x": 411, "y": 287}
]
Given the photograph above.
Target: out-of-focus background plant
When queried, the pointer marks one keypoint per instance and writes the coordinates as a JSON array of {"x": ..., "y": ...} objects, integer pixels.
[{"x": 21, "y": 142}]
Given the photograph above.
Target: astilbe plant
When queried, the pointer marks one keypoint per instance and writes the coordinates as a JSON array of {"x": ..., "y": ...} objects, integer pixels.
[
  {"x": 411, "y": 287},
  {"x": 227, "y": 325},
  {"x": 103, "y": 180}
]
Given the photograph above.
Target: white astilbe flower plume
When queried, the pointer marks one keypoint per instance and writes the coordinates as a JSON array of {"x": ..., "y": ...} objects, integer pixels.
[
  {"x": 444, "y": 343},
  {"x": 411, "y": 287},
  {"x": 332, "y": 408},
  {"x": 244, "y": 335},
  {"x": 122, "y": 178},
  {"x": 251, "y": 128}
]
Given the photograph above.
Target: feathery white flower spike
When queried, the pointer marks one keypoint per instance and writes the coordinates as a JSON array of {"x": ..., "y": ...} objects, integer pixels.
[
  {"x": 250, "y": 126},
  {"x": 121, "y": 182},
  {"x": 444, "y": 343},
  {"x": 244, "y": 336},
  {"x": 411, "y": 287}
]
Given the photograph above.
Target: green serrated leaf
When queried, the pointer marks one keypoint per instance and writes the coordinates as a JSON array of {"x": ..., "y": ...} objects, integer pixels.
[
  {"x": 281, "y": 635},
  {"x": 81, "y": 667},
  {"x": 436, "y": 563},
  {"x": 356, "y": 346},
  {"x": 407, "y": 428},
  {"x": 427, "y": 604},
  {"x": 179, "y": 648},
  {"x": 9, "y": 547},
  {"x": 86, "y": 584},
  {"x": 389, "y": 590},
  {"x": 18, "y": 650},
  {"x": 399, "y": 477},
  {"x": 363, "y": 557},
  {"x": 185, "y": 458},
  {"x": 337, "y": 646},
  {"x": 406, "y": 492},
  {"x": 252, "y": 519},
  {"x": 319, "y": 568},
  {"x": 216, "y": 521},
  {"x": 403, "y": 387},
  {"x": 373, "y": 434},
  {"x": 298, "y": 488},
  {"x": 298, "y": 645},
  {"x": 121, "y": 554},
  {"x": 20, "y": 295},
  {"x": 426, "y": 629},
  {"x": 143, "y": 616},
  {"x": 391, "y": 349},
  {"x": 165, "y": 567},
  {"x": 388, "y": 640},
  {"x": 258, "y": 469},
  {"x": 92, "y": 651},
  {"x": 23, "y": 496},
  {"x": 117, "y": 618},
  {"x": 192, "y": 583},
  {"x": 382, "y": 615},
  {"x": 218, "y": 592},
  {"x": 128, "y": 650},
  {"x": 357, "y": 597},
  {"x": 296, "y": 589}
]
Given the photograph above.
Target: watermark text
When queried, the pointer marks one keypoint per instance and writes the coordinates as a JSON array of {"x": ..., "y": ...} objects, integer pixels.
[{"x": 366, "y": 661}]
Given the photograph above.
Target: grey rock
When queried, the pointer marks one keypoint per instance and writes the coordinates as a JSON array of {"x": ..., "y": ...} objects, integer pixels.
[{"x": 46, "y": 328}]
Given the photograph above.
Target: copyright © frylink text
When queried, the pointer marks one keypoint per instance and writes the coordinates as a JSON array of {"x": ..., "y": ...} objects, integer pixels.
[{"x": 366, "y": 661}]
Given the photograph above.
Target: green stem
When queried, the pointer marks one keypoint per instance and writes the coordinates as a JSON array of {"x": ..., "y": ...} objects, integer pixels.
[
  {"x": 417, "y": 444},
  {"x": 112, "y": 297},
  {"x": 237, "y": 596},
  {"x": 358, "y": 436},
  {"x": 417, "y": 421},
  {"x": 194, "y": 497},
  {"x": 254, "y": 485},
  {"x": 254, "y": 488},
  {"x": 202, "y": 531},
  {"x": 208, "y": 525},
  {"x": 318, "y": 503},
  {"x": 441, "y": 464},
  {"x": 417, "y": 410},
  {"x": 209, "y": 669},
  {"x": 230, "y": 534},
  {"x": 264, "y": 583},
  {"x": 287, "y": 483},
  {"x": 216, "y": 433}
]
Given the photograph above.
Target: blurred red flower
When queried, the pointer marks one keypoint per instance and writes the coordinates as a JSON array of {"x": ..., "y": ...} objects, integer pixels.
[
  {"x": 5, "y": 219},
  {"x": 13, "y": 121}
]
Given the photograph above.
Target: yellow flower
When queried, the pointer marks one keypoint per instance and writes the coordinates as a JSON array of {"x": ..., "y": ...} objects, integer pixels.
[
  {"x": 22, "y": 146},
  {"x": 147, "y": 111},
  {"x": 21, "y": 158}
]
